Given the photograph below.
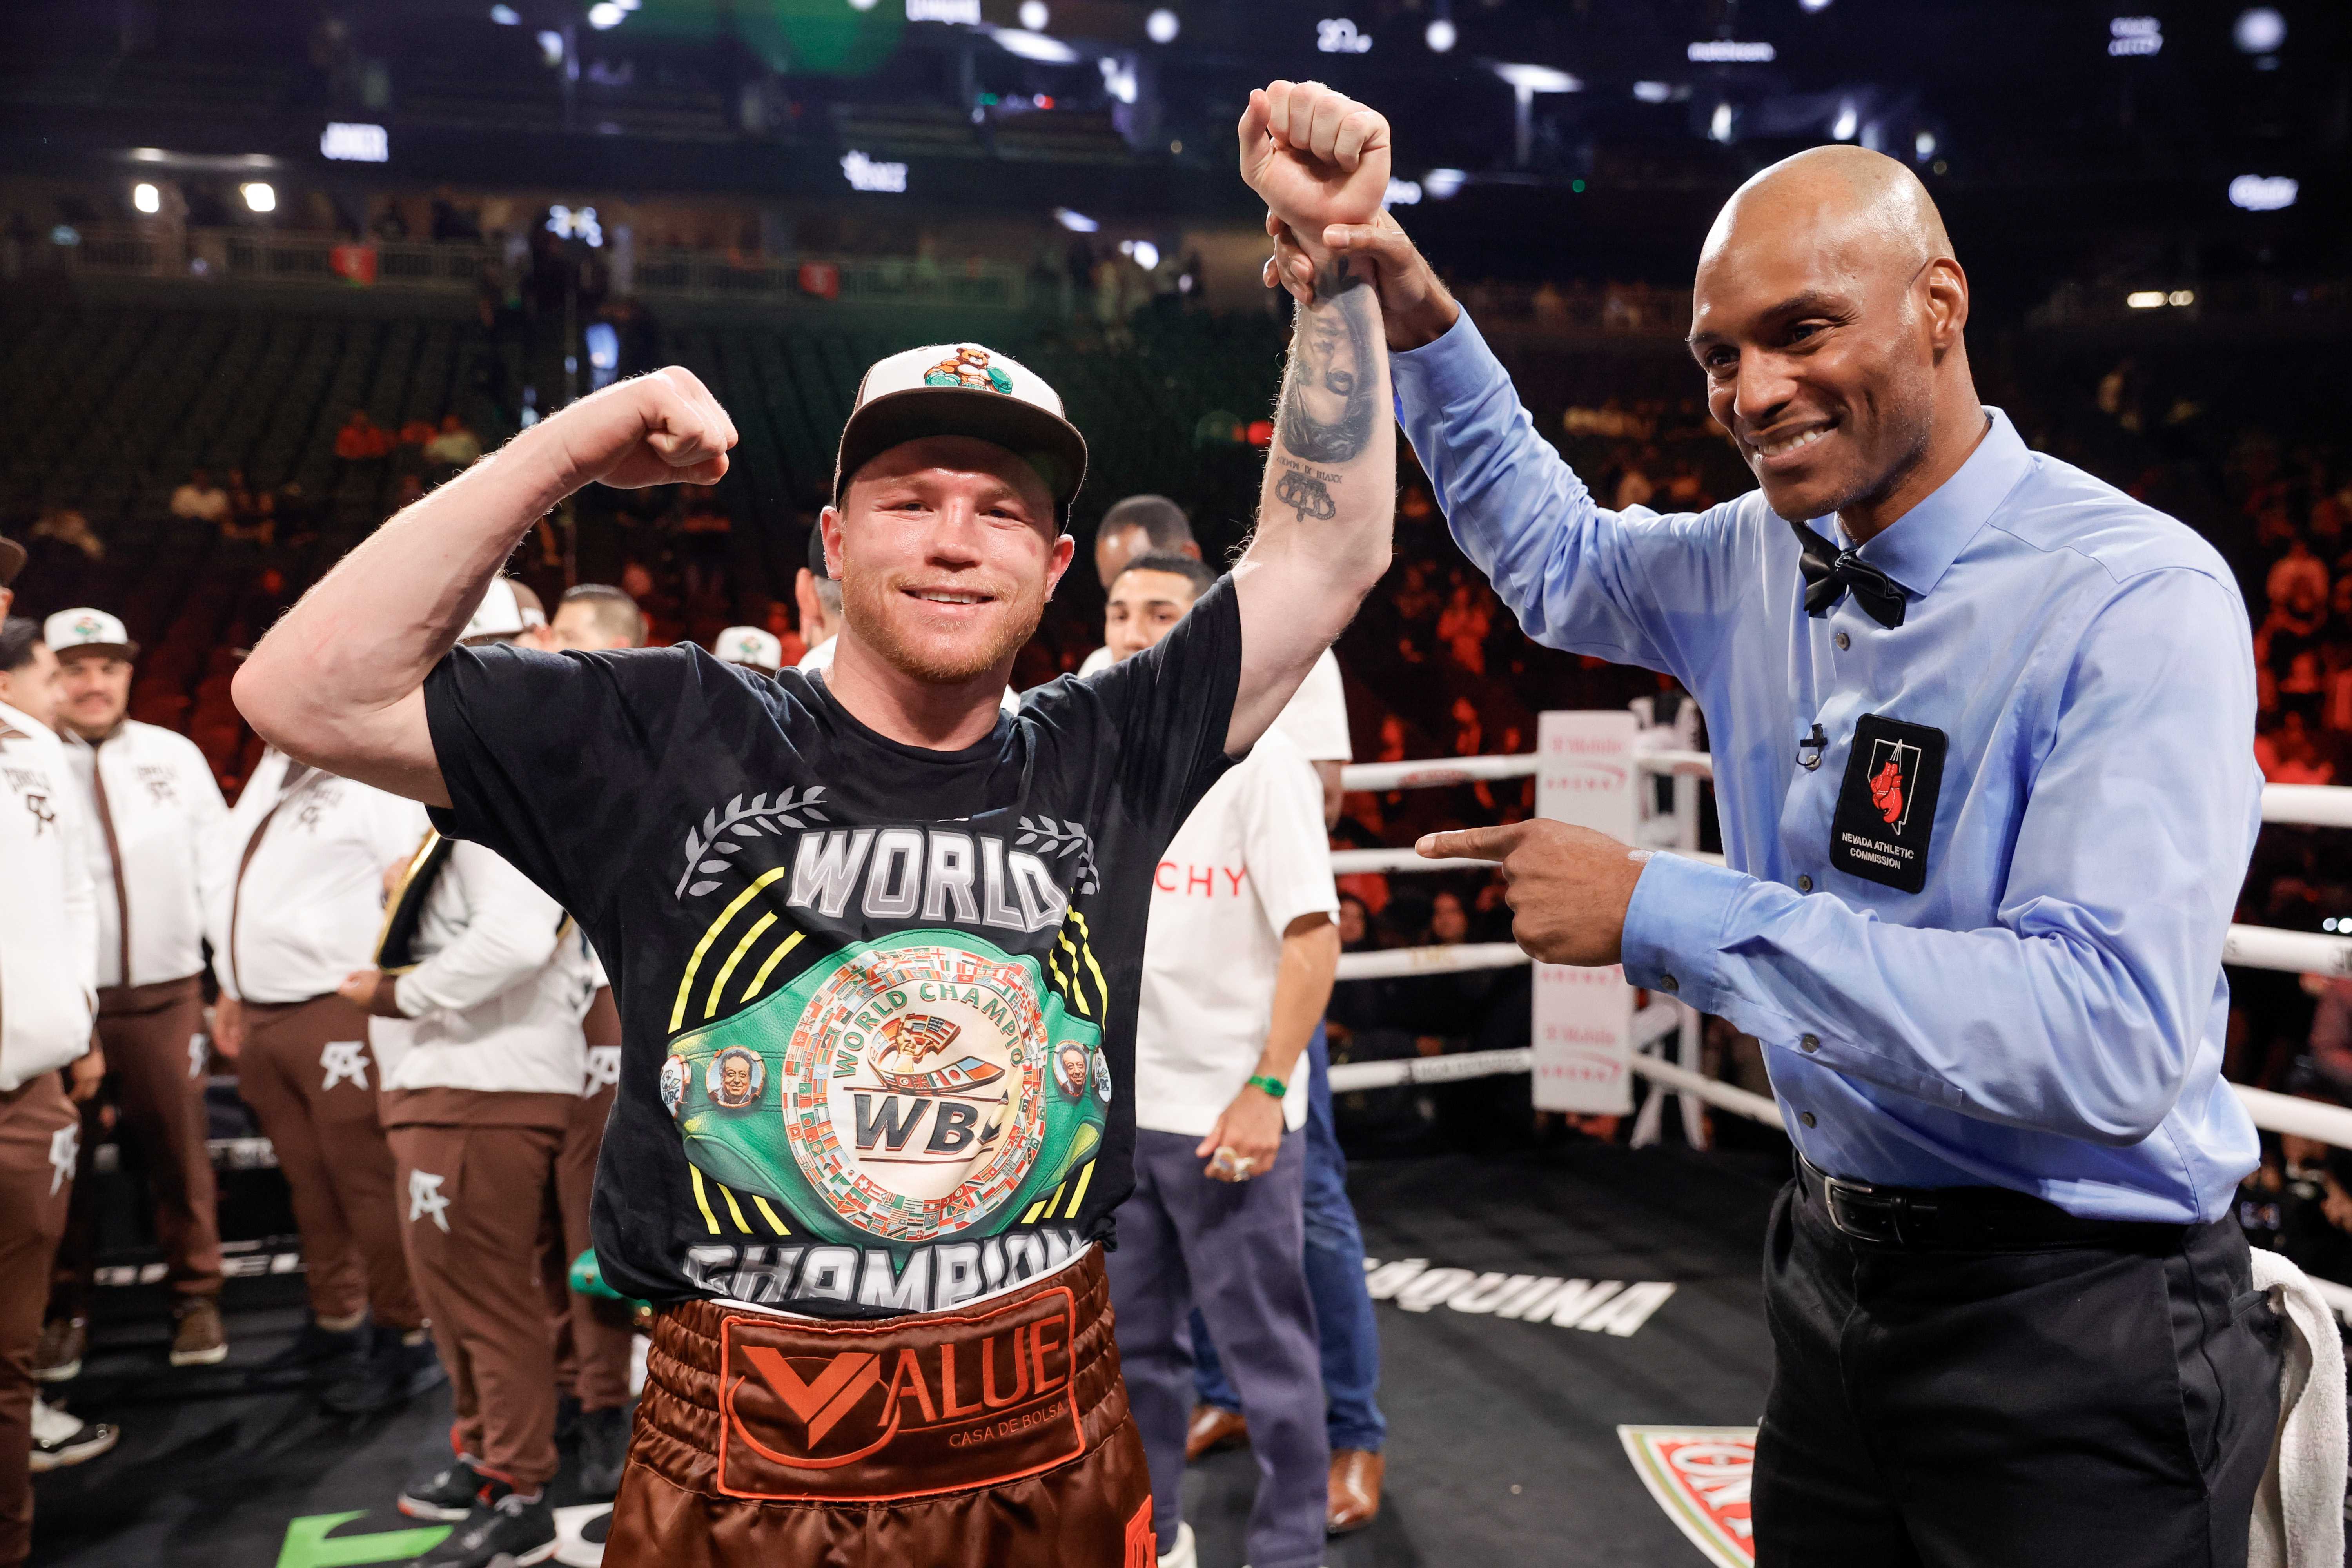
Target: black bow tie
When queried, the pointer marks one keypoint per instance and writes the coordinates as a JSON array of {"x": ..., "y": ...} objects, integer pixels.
[{"x": 1831, "y": 574}]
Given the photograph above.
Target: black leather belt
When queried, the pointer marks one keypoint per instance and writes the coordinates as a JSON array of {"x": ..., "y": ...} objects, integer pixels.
[{"x": 1967, "y": 1219}]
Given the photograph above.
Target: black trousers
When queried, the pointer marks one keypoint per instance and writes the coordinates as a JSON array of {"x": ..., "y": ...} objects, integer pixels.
[{"x": 2084, "y": 1408}]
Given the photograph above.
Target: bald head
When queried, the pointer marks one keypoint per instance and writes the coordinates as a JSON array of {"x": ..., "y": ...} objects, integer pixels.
[
  {"x": 1873, "y": 203},
  {"x": 1827, "y": 313}
]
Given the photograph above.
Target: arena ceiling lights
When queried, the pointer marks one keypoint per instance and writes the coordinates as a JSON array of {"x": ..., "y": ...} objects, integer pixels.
[
  {"x": 1039, "y": 46},
  {"x": 1731, "y": 52},
  {"x": 2263, "y": 193}
]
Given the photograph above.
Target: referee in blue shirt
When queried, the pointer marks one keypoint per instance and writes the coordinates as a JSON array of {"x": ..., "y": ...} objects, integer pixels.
[{"x": 1982, "y": 730}]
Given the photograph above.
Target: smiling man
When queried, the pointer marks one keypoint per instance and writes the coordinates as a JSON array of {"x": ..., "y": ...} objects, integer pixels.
[
  {"x": 917, "y": 921},
  {"x": 1982, "y": 736}
]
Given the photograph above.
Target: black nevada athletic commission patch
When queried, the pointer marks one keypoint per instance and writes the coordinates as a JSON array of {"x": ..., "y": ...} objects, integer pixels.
[{"x": 1886, "y": 804}]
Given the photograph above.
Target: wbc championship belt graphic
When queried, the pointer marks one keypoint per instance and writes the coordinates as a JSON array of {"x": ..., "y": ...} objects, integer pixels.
[{"x": 923, "y": 1085}]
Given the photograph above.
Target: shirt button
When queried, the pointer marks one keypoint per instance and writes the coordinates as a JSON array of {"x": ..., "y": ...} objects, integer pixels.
[
  {"x": 1843, "y": 641},
  {"x": 1806, "y": 1117},
  {"x": 1804, "y": 883},
  {"x": 1811, "y": 1043},
  {"x": 1668, "y": 984}
]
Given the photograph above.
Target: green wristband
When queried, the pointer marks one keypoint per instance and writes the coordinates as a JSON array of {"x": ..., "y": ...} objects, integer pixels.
[{"x": 1273, "y": 1086}]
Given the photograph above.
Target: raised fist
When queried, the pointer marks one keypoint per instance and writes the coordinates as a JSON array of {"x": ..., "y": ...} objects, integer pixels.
[
  {"x": 1316, "y": 157},
  {"x": 660, "y": 429}
]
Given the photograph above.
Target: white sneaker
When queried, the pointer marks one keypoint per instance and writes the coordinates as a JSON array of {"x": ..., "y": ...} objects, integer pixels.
[
  {"x": 580, "y": 1534},
  {"x": 1181, "y": 1555},
  {"x": 60, "y": 1439}
]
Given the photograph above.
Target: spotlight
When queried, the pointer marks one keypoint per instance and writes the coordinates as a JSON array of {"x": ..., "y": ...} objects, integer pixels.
[
  {"x": 1441, "y": 183},
  {"x": 261, "y": 197},
  {"x": 1848, "y": 120},
  {"x": 1146, "y": 253},
  {"x": 1161, "y": 27},
  {"x": 2144, "y": 300},
  {"x": 551, "y": 47},
  {"x": 1075, "y": 222},
  {"x": 1924, "y": 145},
  {"x": 605, "y": 16},
  {"x": 146, "y": 198},
  {"x": 2259, "y": 192},
  {"x": 2260, "y": 30},
  {"x": 1653, "y": 91},
  {"x": 1440, "y": 34},
  {"x": 1035, "y": 16},
  {"x": 1718, "y": 126},
  {"x": 506, "y": 16},
  {"x": 1814, "y": 5}
]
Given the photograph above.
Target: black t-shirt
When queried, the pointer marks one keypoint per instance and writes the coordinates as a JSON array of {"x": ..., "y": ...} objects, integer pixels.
[{"x": 877, "y": 1001}]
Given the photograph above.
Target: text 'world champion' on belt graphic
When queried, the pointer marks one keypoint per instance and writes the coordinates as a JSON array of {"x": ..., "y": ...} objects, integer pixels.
[{"x": 922, "y": 1085}]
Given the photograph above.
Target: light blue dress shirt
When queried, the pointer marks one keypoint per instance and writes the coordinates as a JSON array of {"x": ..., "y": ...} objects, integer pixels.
[{"x": 2047, "y": 1015}]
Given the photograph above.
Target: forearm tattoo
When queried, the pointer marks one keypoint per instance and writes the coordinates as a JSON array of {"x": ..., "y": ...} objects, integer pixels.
[{"x": 1327, "y": 398}]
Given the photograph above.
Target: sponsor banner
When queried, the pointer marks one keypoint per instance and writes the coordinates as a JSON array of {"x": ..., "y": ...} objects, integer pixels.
[
  {"x": 1701, "y": 1475},
  {"x": 1583, "y": 1026},
  {"x": 1596, "y": 1306}
]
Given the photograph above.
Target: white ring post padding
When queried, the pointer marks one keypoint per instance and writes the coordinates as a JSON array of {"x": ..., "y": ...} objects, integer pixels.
[{"x": 1436, "y": 773}]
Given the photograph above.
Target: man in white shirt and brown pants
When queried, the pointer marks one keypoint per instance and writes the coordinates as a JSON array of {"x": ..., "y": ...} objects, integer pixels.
[
  {"x": 495, "y": 980},
  {"x": 149, "y": 799},
  {"x": 48, "y": 983},
  {"x": 1238, "y": 963},
  {"x": 294, "y": 898}
]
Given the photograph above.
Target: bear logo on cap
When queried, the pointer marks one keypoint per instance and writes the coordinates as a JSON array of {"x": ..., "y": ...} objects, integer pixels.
[{"x": 968, "y": 367}]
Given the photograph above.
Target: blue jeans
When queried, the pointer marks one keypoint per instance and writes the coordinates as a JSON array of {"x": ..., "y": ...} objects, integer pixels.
[{"x": 1335, "y": 1282}]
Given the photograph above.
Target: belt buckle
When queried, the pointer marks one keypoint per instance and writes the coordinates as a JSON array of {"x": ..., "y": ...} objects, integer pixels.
[{"x": 1863, "y": 1214}]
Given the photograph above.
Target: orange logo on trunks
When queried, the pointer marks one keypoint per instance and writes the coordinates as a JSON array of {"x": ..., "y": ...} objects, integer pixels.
[{"x": 866, "y": 1413}]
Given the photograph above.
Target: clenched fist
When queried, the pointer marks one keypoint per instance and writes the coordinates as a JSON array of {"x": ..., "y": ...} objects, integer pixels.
[
  {"x": 1568, "y": 887},
  {"x": 663, "y": 428},
  {"x": 1316, "y": 156}
]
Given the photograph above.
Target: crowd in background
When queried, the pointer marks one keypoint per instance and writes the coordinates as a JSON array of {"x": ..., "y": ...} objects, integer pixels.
[{"x": 1435, "y": 665}]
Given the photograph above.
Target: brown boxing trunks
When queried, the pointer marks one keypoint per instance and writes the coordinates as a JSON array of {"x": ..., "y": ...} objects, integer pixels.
[{"x": 993, "y": 1436}]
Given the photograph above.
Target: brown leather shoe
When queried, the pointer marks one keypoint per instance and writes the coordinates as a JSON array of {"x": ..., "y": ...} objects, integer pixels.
[
  {"x": 198, "y": 1338},
  {"x": 1356, "y": 1477},
  {"x": 1213, "y": 1429}
]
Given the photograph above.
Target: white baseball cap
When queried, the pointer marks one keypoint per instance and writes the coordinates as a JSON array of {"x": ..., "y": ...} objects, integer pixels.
[
  {"x": 508, "y": 609},
  {"x": 88, "y": 630},
  {"x": 962, "y": 389},
  {"x": 749, "y": 647}
]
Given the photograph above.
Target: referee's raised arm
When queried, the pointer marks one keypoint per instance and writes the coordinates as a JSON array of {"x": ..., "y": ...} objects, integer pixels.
[{"x": 339, "y": 682}]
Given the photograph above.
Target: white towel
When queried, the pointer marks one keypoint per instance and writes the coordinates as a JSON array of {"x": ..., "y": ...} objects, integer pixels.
[{"x": 2299, "y": 1512}]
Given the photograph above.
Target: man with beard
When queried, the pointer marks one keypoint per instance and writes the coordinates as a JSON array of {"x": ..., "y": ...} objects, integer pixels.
[
  {"x": 882, "y": 1335},
  {"x": 149, "y": 800},
  {"x": 1983, "y": 729}
]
